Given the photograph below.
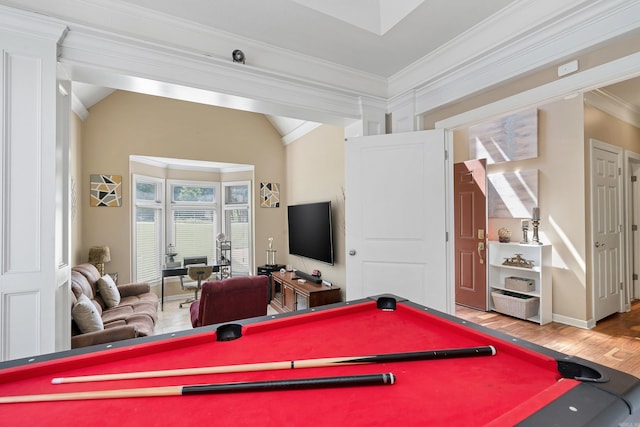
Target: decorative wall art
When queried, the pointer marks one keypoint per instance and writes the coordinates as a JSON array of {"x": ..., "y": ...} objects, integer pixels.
[
  {"x": 269, "y": 195},
  {"x": 513, "y": 137},
  {"x": 512, "y": 194},
  {"x": 106, "y": 190}
]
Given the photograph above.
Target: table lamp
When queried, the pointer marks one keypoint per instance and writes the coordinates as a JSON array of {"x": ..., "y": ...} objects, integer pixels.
[{"x": 98, "y": 255}]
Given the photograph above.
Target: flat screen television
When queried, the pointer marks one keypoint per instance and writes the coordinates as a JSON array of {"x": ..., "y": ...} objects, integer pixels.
[{"x": 311, "y": 231}]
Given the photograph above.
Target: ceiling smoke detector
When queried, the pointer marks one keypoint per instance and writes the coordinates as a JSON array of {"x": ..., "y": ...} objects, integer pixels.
[{"x": 238, "y": 56}]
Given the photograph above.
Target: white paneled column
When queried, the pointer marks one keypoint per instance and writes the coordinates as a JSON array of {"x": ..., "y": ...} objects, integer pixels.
[
  {"x": 403, "y": 113},
  {"x": 28, "y": 48},
  {"x": 372, "y": 119}
]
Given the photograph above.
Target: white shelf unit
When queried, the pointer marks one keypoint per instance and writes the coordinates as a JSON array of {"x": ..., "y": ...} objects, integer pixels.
[{"x": 540, "y": 274}]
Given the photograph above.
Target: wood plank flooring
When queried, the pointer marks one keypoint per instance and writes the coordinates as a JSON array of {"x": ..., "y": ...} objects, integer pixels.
[{"x": 615, "y": 342}]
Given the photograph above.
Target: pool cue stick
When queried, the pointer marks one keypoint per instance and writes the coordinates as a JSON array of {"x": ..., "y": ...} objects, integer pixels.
[
  {"x": 292, "y": 364},
  {"x": 274, "y": 385}
]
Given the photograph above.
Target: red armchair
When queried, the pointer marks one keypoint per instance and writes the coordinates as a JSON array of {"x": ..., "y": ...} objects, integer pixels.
[{"x": 230, "y": 299}]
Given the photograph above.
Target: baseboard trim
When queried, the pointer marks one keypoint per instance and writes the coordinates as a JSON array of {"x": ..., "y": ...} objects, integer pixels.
[{"x": 566, "y": 320}]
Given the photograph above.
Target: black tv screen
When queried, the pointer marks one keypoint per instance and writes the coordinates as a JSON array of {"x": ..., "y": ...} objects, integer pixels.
[{"x": 310, "y": 231}]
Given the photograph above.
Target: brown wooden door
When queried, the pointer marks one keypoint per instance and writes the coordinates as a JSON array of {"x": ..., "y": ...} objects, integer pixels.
[{"x": 470, "y": 209}]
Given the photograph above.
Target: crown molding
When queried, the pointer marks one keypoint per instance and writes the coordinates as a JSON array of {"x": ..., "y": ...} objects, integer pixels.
[
  {"x": 490, "y": 54},
  {"x": 502, "y": 32},
  {"x": 189, "y": 165},
  {"x": 611, "y": 104},
  {"x": 30, "y": 24},
  {"x": 79, "y": 108},
  {"x": 299, "y": 132}
]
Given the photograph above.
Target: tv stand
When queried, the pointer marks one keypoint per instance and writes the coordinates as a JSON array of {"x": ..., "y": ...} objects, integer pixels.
[{"x": 288, "y": 294}]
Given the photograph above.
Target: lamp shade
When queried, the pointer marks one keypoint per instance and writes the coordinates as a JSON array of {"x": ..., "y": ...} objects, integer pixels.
[{"x": 99, "y": 254}]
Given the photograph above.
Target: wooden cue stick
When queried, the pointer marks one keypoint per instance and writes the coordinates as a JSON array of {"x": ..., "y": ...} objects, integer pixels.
[
  {"x": 268, "y": 366},
  {"x": 274, "y": 385}
]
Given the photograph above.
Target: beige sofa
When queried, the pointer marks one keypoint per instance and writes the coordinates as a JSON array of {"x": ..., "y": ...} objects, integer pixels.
[{"x": 105, "y": 312}]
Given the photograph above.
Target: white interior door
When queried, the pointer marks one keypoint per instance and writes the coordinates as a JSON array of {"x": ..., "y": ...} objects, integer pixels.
[
  {"x": 396, "y": 217},
  {"x": 606, "y": 229}
]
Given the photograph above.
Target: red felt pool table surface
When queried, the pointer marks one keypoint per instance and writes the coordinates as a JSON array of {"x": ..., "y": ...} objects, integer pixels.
[{"x": 503, "y": 389}]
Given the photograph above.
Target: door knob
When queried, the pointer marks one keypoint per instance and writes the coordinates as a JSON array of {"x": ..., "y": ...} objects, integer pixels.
[
  {"x": 480, "y": 249},
  {"x": 599, "y": 245},
  {"x": 352, "y": 252}
]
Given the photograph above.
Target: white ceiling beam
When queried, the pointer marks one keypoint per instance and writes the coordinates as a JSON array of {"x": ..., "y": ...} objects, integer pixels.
[{"x": 117, "y": 62}]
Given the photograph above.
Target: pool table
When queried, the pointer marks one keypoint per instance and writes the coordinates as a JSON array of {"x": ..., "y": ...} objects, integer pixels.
[{"x": 522, "y": 384}]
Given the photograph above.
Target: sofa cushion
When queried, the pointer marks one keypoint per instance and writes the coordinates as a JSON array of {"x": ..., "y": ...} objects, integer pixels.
[
  {"x": 122, "y": 312},
  {"x": 148, "y": 298},
  {"x": 143, "y": 324},
  {"x": 132, "y": 289},
  {"x": 80, "y": 285},
  {"x": 116, "y": 313},
  {"x": 89, "y": 271},
  {"x": 115, "y": 333},
  {"x": 108, "y": 291},
  {"x": 86, "y": 315}
]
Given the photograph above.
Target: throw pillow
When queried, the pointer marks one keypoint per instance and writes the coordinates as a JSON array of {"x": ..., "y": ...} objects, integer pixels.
[
  {"x": 86, "y": 315},
  {"x": 108, "y": 291}
]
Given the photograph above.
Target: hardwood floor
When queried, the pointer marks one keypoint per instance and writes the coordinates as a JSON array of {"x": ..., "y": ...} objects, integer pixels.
[{"x": 614, "y": 342}]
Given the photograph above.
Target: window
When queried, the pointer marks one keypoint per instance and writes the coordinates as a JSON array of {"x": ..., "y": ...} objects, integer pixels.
[
  {"x": 193, "y": 220},
  {"x": 237, "y": 225},
  {"x": 189, "y": 215},
  {"x": 148, "y": 227}
]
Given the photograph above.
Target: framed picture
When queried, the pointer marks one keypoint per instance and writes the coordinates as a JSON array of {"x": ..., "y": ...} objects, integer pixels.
[
  {"x": 106, "y": 190},
  {"x": 269, "y": 195}
]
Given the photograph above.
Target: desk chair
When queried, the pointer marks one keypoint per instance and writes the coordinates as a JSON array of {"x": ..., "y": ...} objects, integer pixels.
[
  {"x": 198, "y": 273},
  {"x": 189, "y": 260}
]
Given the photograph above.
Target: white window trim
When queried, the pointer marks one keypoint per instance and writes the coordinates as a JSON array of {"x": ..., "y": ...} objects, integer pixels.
[
  {"x": 171, "y": 205},
  {"x": 247, "y": 206},
  {"x": 156, "y": 204}
]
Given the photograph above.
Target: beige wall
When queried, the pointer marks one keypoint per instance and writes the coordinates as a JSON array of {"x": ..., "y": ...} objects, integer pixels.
[
  {"x": 315, "y": 173},
  {"x": 561, "y": 195},
  {"x": 127, "y": 123},
  {"x": 606, "y": 128}
]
